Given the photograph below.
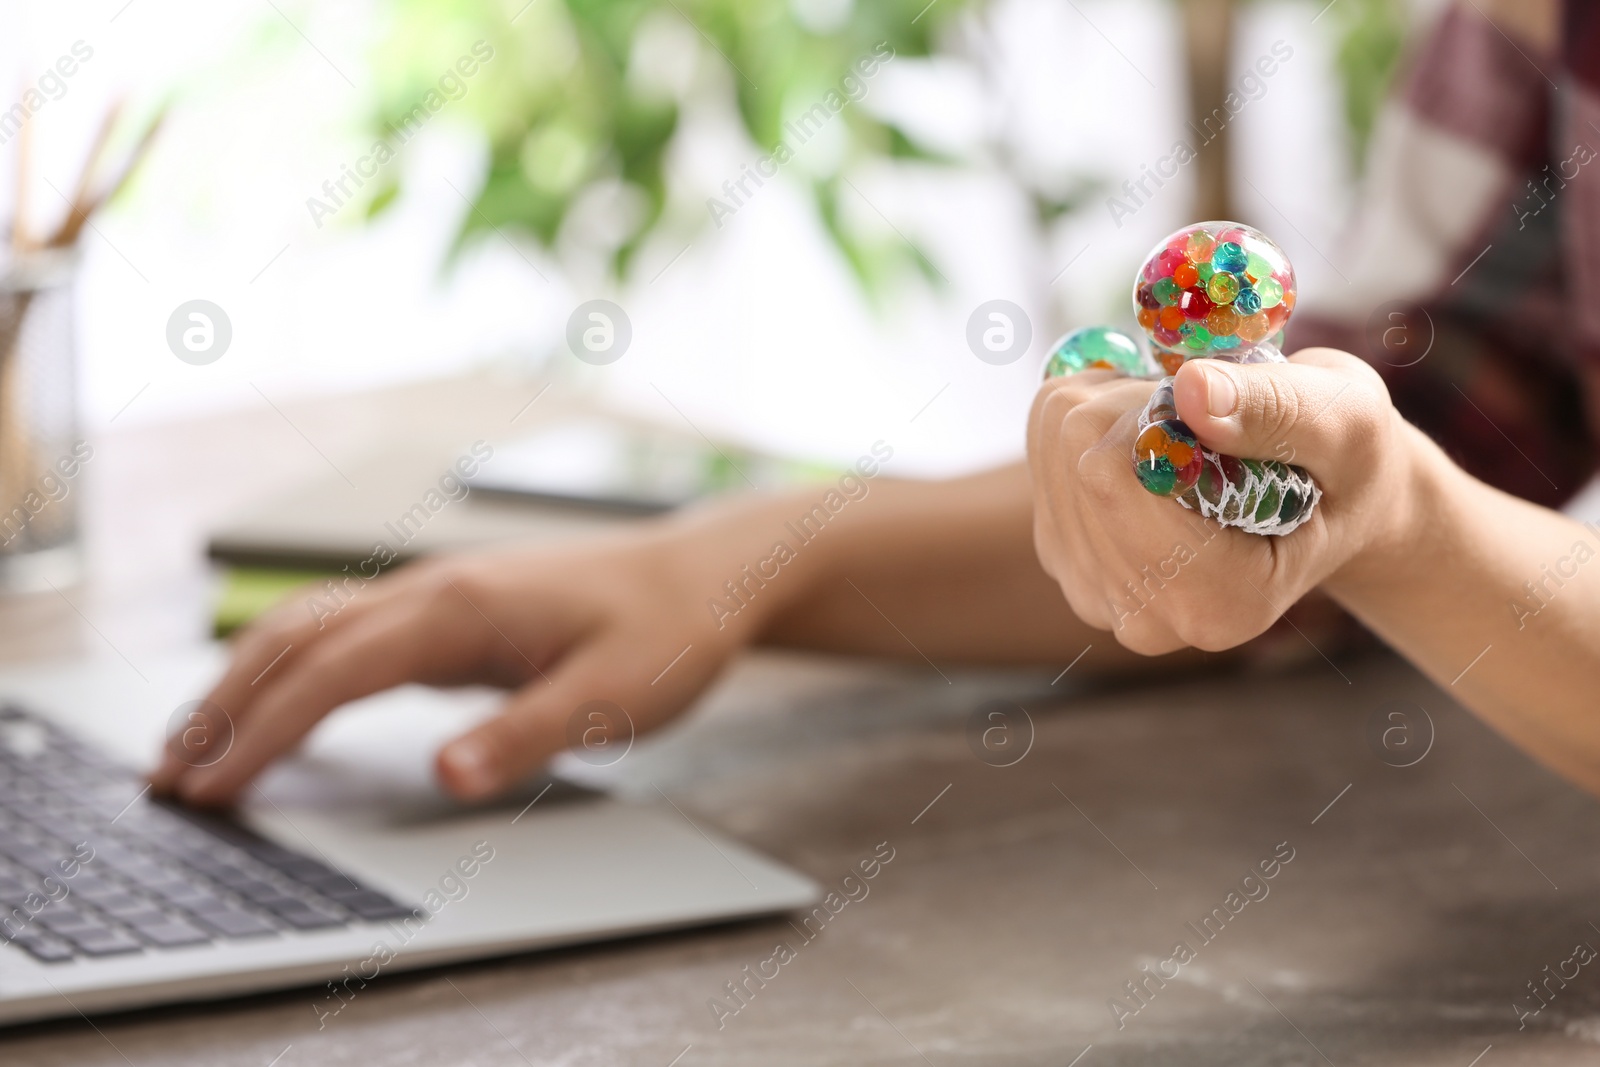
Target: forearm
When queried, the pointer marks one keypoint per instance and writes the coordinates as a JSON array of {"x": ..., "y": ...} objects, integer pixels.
[
  {"x": 947, "y": 567},
  {"x": 1498, "y": 601},
  {"x": 941, "y": 569}
]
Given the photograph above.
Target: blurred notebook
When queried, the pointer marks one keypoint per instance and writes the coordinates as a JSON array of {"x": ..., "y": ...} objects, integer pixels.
[
  {"x": 562, "y": 482},
  {"x": 598, "y": 463}
]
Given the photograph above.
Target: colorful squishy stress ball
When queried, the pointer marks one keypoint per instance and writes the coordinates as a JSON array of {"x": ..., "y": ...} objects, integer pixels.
[
  {"x": 1214, "y": 290},
  {"x": 1097, "y": 348}
]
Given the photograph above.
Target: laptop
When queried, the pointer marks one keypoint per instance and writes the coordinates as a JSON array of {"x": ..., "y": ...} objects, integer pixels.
[{"x": 344, "y": 863}]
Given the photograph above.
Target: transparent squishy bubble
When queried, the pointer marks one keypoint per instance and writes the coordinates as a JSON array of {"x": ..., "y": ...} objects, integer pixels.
[
  {"x": 1217, "y": 289},
  {"x": 1096, "y": 348}
]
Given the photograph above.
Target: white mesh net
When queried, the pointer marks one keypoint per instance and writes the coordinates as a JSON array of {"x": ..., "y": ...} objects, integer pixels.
[{"x": 1256, "y": 496}]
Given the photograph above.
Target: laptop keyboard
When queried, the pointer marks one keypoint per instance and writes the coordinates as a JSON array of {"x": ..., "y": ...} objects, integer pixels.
[{"x": 91, "y": 866}]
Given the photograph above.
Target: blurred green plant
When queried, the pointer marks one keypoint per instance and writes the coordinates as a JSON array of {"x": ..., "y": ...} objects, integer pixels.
[
  {"x": 570, "y": 98},
  {"x": 1371, "y": 38},
  {"x": 574, "y": 97}
]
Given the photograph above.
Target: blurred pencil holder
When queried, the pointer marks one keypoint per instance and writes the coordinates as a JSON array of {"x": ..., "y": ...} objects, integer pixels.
[{"x": 41, "y": 454}]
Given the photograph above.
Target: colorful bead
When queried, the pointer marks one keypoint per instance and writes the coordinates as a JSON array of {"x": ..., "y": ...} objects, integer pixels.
[
  {"x": 1195, "y": 304},
  {"x": 1212, "y": 481},
  {"x": 1270, "y": 292},
  {"x": 1199, "y": 246},
  {"x": 1256, "y": 266},
  {"x": 1196, "y": 337},
  {"x": 1161, "y": 404},
  {"x": 1253, "y": 329},
  {"x": 1267, "y": 506},
  {"x": 1223, "y": 321},
  {"x": 1229, "y": 257},
  {"x": 1167, "y": 291},
  {"x": 1169, "y": 458},
  {"x": 1186, "y": 276},
  {"x": 1248, "y": 302},
  {"x": 1172, "y": 318},
  {"x": 1222, "y": 288}
]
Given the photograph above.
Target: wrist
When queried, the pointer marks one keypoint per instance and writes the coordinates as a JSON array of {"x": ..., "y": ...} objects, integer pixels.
[
  {"x": 1414, "y": 502},
  {"x": 741, "y": 562}
]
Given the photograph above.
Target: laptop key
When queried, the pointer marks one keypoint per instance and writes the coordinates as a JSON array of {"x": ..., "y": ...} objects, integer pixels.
[
  {"x": 46, "y": 949},
  {"x": 142, "y": 912},
  {"x": 329, "y": 882},
  {"x": 232, "y": 922},
  {"x": 262, "y": 892},
  {"x": 103, "y": 941},
  {"x": 66, "y": 923},
  {"x": 369, "y": 904},
  {"x": 304, "y": 916},
  {"x": 169, "y": 933},
  {"x": 188, "y": 895}
]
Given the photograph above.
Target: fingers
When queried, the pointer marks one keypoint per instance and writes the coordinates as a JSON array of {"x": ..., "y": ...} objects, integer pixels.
[
  {"x": 379, "y": 650},
  {"x": 1084, "y": 499},
  {"x": 532, "y": 727},
  {"x": 1129, "y": 531},
  {"x": 1183, "y": 581},
  {"x": 268, "y": 649},
  {"x": 1320, "y": 409},
  {"x": 1059, "y": 433},
  {"x": 595, "y": 700}
]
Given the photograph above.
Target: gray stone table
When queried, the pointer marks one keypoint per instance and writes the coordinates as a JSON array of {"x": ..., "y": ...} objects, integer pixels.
[{"x": 1418, "y": 903}]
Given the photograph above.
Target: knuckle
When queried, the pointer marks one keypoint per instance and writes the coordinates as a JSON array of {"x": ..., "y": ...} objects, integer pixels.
[
  {"x": 280, "y": 624},
  {"x": 321, "y": 661},
  {"x": 1045, "y": 546},
  {"x": 1143, "y": 639},
  {"x": 1091, "y": 610},
  {"x": 1276, "y": 405},
  {"x": 1220, "y": 627},
  {"x": 1102, "y": 485}
]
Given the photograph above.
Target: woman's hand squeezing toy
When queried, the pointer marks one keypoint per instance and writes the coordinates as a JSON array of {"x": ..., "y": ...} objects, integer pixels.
[{"x": 1216, "y": 290}]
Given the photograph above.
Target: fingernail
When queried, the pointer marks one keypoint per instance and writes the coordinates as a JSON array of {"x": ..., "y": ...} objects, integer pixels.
[
  {"x": 1222, "y": 395},
  {"x": 470, "y": 767}
]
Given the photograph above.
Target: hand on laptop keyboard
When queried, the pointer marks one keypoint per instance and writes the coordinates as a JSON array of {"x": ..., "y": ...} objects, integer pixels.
[
  {"x": 625, "y": 622},
  {"x": 90, "y": 866}
]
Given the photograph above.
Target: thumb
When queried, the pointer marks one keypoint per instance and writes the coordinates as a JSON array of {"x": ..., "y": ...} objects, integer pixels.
[
  {"x": 593, "y": 704},
  {"x": 536, "y": 723},
  {"x": 1310, "y": 411}
]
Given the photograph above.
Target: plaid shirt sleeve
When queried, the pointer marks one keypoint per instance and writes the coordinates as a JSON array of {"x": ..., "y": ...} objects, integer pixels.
[{"x": 1472, "y": 267}]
